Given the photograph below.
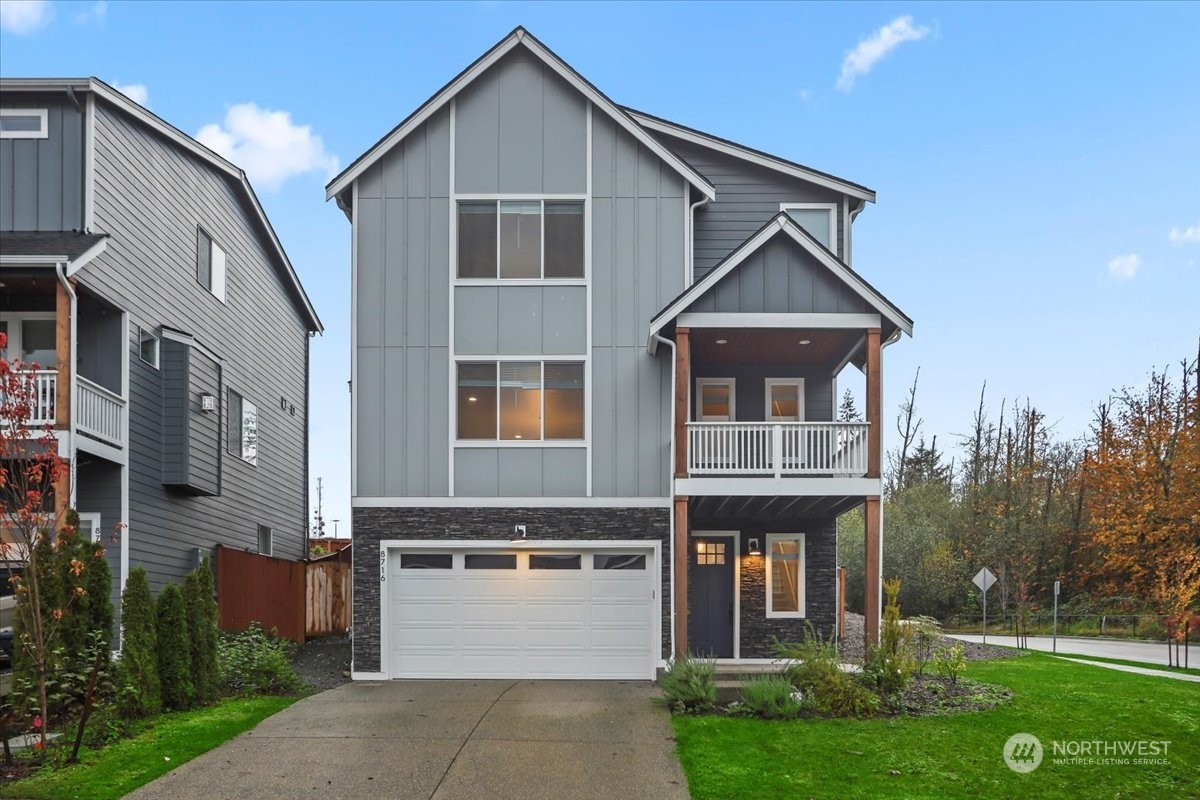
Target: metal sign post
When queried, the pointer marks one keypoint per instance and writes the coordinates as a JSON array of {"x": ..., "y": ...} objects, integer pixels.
[
  {"x": 1057, "y": 586},
  {"x": 984, "y": 580}
]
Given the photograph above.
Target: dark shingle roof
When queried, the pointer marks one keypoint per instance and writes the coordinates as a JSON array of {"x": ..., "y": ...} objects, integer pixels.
[{"x": 48, "y": 243}]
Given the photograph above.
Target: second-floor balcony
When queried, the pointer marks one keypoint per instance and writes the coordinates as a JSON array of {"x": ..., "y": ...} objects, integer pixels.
[
  {"x": 99, "y": 413},
  {"x": 777, "y": 449}
]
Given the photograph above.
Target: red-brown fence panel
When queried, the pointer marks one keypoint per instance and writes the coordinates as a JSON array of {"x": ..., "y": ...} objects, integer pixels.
[{"x": 257, "y": 588}]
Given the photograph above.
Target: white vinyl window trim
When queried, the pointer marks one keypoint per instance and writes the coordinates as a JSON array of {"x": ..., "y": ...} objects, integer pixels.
[
  {"x": 731, "y": 384},
  {"x": 801, "y": 577},
  {"x": 769, "y": 412},
  {"x": 829, "y": 207},
  {"x": 42, "y": 131}
]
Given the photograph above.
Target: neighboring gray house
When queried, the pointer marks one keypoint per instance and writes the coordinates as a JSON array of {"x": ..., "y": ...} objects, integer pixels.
[
  {"x": 139, "y": 271},
  {"x": 594, "y": 356}
]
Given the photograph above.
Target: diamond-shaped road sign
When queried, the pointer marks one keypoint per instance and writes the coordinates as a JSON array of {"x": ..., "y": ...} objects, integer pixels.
[{"x": 984, "y": 579}]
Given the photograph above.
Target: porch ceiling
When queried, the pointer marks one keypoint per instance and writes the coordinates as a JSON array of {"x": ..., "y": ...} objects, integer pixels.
[
  {"x": 772, "y": 345},
  {"x": 732, "y": 510}
]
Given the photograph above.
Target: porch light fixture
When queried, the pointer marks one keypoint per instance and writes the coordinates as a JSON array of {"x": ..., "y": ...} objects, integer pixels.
[
  {"x": 472, "y": 399},
  {"x": 755, "y": 550},
  {"x": 805, "y": 341},
  {"x": 722, "y": 341},
  {"x": 518, "y": 534},
  {"x": 208, "y": 402}
]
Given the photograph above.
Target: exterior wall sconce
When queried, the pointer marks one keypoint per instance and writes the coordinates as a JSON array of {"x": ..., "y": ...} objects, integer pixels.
[
  {"x": 519, "y": 534},
  {"x": 755, "y": 550},
  {"x": 208, "y": 402}
]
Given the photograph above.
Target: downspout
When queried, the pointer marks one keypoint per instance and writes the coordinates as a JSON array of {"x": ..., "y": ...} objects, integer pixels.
[
  {"x": 60, "y": 269},
  {"x": 671, "y": 482},
  {"x": 689, "y": 264}
]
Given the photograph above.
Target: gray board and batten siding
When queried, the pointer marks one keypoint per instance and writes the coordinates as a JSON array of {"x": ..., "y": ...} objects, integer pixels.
[
  {"x": 748, "y": 196},
  {"x": 41, "y": 180},
  {"x": 519, "y": 129},
  {"x": 150, "y": 196}
]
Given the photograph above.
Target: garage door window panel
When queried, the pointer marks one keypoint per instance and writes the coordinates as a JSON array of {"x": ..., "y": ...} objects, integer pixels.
[
  {"x": 490, "y": 561},
  {"x": 426, "y": 561},
  {"x": 618, "y": 561},
  {"x": 556, "y": 561}
]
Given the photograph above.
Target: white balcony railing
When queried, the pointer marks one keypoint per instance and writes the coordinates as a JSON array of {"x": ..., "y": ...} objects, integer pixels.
[
  {"x": 42, "y": 385},
  {"x": 777, "y": 448},
  {"x": 100, "y": 413}
]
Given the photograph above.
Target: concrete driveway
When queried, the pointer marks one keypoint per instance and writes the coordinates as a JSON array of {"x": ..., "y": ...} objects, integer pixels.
[{"x": 447, "y": 740}]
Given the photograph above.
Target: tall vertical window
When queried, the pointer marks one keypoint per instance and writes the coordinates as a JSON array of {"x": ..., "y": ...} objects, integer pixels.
[
  {"x": 520, "y": 239},
  {"x": 516, "y": 401},
  {"x": 242, "y": 428},
  {"x": 210, "y": 264},
  {"x": 785, "y": 575},
  {"x": 266, "y": 543},
  {"x": 818, "y": 219}
]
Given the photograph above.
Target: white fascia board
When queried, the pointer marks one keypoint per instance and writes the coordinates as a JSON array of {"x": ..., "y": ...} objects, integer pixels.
[
  {"x": 519, "y": 37},
  {"x": 779, "y": 487},
  {"x": 510, "y": 502},
  {"x": 706, "y": 319},
  {"x": 746, "y": 154},
  {"x": 32, "y": 261},
  {"x": 86, "y": 256}
]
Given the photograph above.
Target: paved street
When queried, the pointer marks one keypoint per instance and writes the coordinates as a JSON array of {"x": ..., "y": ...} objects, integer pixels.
[
  {"x": 1150, "y": 652},
  {"x": 447, "y": 740}
]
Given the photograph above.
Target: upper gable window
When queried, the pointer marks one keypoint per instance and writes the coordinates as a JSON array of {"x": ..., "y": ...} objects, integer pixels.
[
  {"x": 520, "y": 239},
  {"x": 818, "y": 219},
  {"x": 23, "y": 123},
  {"x": 210, "y": 264}
]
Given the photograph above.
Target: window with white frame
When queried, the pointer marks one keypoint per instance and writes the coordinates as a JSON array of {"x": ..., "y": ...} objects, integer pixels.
[
  {"x": 785, "y": 399},
  {"x": 512, "y": 401},
  {"x": 520, "y": 239},
  {"x": 148, "y": 347},
  {"x": 210, "y": 264},
  {"x": 23, "y": 123},
  {"x": 716, "y": 399},
  {"x": 242, "y": 428},
  {"x": 819, "y": 219},
  {"x": 31, "y": 338},
  {"x": 266, "y": 543},
  {"x": 785, "y": 575}
]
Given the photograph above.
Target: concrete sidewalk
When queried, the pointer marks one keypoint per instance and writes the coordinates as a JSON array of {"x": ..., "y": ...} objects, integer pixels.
[
  {"x": 447, "y": 740},
  {"x": 1130, "y": 650}
]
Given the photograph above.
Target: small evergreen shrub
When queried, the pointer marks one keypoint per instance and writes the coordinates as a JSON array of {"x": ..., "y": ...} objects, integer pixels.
[
  {"x": 138, "y": 690},
  {"x": 689, "y": 684},
  {"x": 890, "y": 665},
  {"x": 174, "y": 650},
  {"x": 202, "y": 633},
  {"x": 771, "y": 697},
  {"x": 255, "y": 662},
  {"x": 813, "y": 667},
  {"x": 950, "y": 662}
]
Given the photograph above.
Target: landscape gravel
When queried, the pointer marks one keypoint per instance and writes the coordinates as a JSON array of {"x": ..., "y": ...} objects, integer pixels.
[
  {"x": 851, "y": 647},
  {"x": 323, "y": 663}
]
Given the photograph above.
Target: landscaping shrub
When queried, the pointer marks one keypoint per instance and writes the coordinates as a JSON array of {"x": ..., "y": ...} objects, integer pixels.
[
  {"x": 889, "y": 666},
  {"x": 255, "y": 662},
  {"x": 813, "y": 667},
  {"x": 925, "y": 634},
  {"x": 174, "y": 650},
  {"x": 138, "y": 689},
  {"x": 202, "y": 633},
  {"x": 689, "y": 684},
  {"x": 771, "y": 697},
  {"x": 950, "y": 662}
]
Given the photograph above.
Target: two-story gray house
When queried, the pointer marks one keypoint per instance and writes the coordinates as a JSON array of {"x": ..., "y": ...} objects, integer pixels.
[
  {"x": 594, "y": 356},
  {"x": 171, "y": 333}
]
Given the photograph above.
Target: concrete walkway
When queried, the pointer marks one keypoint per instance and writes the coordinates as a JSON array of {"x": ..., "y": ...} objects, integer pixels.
[
  {"x": 1157, "y": 673},
  {"x": 447, "y": 740},
  {"x": 1130, "y": 650}
]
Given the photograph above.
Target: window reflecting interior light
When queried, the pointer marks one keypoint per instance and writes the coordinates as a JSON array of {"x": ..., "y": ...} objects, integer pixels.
[
  {"x": 700, "y": 547},
  {"x": 472, "y": 399},
  {"x": 722, "y": 341},
  {"x": 518, "y": 436},
  {"x": 805, "y": 341}
]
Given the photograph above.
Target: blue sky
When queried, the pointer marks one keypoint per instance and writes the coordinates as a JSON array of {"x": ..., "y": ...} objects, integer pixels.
[{"x": 1038, "y": 166}]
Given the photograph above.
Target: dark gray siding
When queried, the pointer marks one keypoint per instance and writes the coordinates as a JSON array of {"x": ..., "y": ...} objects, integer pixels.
[
  {"x": 204, "y": 427},
  {"x": 747, "y": 196},
  {"x": 750, "y": 404},
  {"x": 402, "y": 297},
  {"x": 781, "y": 277},
  {"x": 150, "y": 197},
  {"x": 174, "y": 381},
  {"x": 99, "y": 335},
  {"x": 41, "y": 180}
]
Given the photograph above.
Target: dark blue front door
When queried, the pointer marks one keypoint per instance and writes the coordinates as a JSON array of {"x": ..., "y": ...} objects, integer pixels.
[{"x": 711, "y": 597}]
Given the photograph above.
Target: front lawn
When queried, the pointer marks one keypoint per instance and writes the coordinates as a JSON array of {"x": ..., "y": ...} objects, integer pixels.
[
  {"x": 960, "y": 756},
  {"x": 123, "y": 766}
]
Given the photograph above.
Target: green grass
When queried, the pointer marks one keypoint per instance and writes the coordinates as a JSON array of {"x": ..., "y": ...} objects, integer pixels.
[
  {"x": 123, "y": 766},
  {"x": 960, "y": 756},
  {"x": 1147, "y": 664}
]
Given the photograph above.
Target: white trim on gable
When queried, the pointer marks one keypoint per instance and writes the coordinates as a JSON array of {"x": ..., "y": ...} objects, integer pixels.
[
  {"x": 781, "y": 223},
  {"x": 518, "y": 37}
]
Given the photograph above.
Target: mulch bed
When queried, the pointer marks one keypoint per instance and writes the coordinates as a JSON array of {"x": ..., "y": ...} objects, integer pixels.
[{"x": 931, "y": 696}]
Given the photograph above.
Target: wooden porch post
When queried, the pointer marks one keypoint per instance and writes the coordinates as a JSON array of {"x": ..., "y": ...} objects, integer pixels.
[
  {"x": 680, "y": 552},
  {"x": 873, "y": 573},
  {"x": 679, "y": 548},
  {"x": 62, "y": 396},
  {"x": 874, "y": 395}
]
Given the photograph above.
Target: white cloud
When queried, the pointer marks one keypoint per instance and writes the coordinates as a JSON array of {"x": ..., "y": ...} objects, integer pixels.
[
  {"x": 806, "y": 95},
  {"x": 137, "y": 92},
  {"x": 24, "y": 16},
  {"x": 869, "y": 51},
  {"x": 268, "y": 145},
  {"x": 1188, "y": 235},
  {"x": 1124, "y": 268},
  {"x": 96, "y": 12}
]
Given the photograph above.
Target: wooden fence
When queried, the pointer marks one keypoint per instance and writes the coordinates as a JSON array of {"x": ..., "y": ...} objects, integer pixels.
[
  {"x": 327, "y": 609},
  {"x": 257, "y": 588}
]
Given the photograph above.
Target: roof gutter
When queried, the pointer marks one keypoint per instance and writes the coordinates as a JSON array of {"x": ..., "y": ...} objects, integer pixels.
[{"x": 671, "y": 484}]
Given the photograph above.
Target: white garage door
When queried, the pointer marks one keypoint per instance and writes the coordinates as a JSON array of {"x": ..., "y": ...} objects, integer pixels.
[{"x": 467, "y": 613}]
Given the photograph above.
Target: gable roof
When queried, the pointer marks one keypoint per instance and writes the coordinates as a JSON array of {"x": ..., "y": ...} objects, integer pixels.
[
  {"x": 518, "y": 37},
  {"x": 110, "y": 95},
  {"x": 781, "y": 223},
  {"x": 759, "y": 157}
]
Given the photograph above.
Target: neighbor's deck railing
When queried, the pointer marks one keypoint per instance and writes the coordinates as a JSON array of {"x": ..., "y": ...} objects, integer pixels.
[
  {"x": 100, "y": 413},
  {"x": 777, "y": 448}
]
